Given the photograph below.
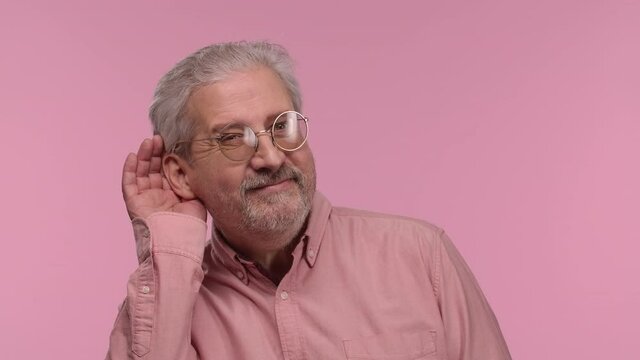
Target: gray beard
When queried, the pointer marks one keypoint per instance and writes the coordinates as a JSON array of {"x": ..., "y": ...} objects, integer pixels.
[
  {"x": 260, "y": 219},
  {"x": 277, "y": 214}
]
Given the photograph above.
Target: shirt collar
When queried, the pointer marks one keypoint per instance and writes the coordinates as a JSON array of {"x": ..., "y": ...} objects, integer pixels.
[
  {"x": 318, "y": 219},
  {"x": 311, "y": 239}
]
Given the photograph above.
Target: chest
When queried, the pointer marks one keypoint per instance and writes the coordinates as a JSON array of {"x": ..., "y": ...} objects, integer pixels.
[{"x": 358, "y": 310}]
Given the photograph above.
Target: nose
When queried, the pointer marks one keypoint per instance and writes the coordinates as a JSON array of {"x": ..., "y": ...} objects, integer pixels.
[{"x": 267, "y": 156}]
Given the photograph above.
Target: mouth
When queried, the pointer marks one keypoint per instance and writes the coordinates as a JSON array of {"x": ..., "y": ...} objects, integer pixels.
[{"x": 274, "y": 187}]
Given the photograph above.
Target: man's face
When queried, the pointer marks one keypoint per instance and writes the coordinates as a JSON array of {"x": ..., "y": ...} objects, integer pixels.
[{"x": 271, "y": 192}]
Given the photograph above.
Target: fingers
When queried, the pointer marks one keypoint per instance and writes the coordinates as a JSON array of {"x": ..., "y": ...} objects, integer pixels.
[
  {"x": 129, "y": 184},
  {"x": 158, "y": 145},
  {"x": 150, "y": 154},
  {"x": 155, "y": 165},
  {"x": 155, "y": 180},
  {"x": 144, "y": 158},
  {"x": 142, "y": 171}
]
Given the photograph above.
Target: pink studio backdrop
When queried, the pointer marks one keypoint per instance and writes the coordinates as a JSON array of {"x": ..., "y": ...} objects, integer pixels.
[{"x": 512, "y": 124}]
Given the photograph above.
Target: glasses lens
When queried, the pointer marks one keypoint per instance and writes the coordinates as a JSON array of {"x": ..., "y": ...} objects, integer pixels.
[
  {"x": 290, "y": 130},
  {"x": 237, "y": 142}
]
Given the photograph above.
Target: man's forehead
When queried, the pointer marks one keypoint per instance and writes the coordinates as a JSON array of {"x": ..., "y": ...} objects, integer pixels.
[
  {"x": 256, "y": 97},
  {"x": 247, "y": 83}
]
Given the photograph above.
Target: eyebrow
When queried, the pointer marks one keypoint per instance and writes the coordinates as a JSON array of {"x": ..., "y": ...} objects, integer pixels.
[{"x": 217, "y": 127}]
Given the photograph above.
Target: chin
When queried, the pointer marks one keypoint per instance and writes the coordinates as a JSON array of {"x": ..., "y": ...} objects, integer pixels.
[{"x": 279, "y": 213}]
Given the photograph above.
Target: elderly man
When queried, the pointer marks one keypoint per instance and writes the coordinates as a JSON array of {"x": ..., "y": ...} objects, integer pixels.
[{"x": 286, "y": 275}]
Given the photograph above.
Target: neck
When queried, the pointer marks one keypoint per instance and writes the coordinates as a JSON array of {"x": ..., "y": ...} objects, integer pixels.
[
  {"x": 276, "y": 264},
  {"x": 273, "y": 258}
]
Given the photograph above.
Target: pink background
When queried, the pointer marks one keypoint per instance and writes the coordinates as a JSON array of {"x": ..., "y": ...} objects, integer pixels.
[{"x": 512, "y": 124}]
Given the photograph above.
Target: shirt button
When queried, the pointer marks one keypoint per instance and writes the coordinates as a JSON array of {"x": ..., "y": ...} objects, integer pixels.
[
  {"x": 284, "y": 295},
  {"x": 240, "y": 275},
  {"x": 311, "y": 253},
  {"x": 145, "y": 289}
]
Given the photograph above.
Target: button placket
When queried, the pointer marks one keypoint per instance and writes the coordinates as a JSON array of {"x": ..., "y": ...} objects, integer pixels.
[{"x": 287, "y": 318}]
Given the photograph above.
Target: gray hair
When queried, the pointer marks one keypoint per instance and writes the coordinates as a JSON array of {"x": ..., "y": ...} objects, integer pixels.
[{"x": 211, "y": 64}]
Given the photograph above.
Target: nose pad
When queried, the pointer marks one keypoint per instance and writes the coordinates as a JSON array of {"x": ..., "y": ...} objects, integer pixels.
[
  {"x": 250, "y": 138},
  {"x": 267, "y": 155}
]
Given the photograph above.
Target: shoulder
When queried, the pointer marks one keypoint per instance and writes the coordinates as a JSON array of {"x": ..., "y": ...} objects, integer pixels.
[
  {"x": 383, "y": 220},
  {"x": 375, "y": 225},
  {"x": 394, "y": 241}
]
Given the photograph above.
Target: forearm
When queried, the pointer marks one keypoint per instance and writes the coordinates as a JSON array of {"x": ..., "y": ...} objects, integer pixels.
[{"x": 155, "y": 321}]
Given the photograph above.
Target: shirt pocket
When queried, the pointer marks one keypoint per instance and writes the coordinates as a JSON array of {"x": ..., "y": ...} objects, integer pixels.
[{"x": 393, "y": 346}]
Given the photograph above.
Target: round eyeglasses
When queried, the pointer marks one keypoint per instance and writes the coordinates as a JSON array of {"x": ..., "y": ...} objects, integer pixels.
[{"x": 239, "y": 142}]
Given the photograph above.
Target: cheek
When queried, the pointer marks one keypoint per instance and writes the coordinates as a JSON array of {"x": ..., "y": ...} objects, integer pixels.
[
  {"x": 217, "y": 183},
  {"x": 302, "y": 157},
  {"x": 304, "y": 161}
]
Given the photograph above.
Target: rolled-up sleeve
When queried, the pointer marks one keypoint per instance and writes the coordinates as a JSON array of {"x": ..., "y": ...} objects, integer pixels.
[{"x": 155, "y": 320}]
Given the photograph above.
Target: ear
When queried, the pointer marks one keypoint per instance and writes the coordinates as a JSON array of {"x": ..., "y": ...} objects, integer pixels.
[{"x": 177, "y": 171}]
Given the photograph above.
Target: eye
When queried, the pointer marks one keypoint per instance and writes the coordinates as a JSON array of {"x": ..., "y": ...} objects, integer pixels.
[
  {"x": 280, "y": 126},
  {"x": 231, "y": 139},
  {"x": 286, "y": 126}
]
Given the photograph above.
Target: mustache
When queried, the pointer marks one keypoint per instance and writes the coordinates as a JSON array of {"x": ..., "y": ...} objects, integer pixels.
[{"x": 266, "y": 179}]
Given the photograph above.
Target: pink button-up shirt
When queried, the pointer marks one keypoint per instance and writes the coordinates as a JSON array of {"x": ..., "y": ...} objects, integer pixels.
[{"x": 362, "y": 286}]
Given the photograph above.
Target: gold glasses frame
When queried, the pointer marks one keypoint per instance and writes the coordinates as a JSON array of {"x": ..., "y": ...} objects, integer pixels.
[{"x": 216, "y": 139}]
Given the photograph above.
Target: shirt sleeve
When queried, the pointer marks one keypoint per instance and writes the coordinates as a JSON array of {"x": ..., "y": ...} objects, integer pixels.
[
  {"x": 471, "y": 328},
  {"x": 154, "y": 322}
]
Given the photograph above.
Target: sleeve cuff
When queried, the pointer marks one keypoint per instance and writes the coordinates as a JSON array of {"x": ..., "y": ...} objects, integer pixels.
[{"x": 169, "y": 232}]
